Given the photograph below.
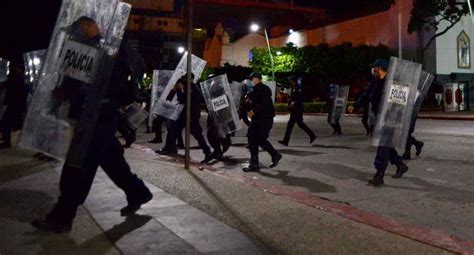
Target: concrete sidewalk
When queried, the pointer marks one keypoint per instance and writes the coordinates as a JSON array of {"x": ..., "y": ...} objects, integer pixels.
[{"x": 166, "y": 225}]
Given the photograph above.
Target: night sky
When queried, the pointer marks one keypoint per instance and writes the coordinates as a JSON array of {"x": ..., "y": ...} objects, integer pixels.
[{"x": 26, "y": 26}]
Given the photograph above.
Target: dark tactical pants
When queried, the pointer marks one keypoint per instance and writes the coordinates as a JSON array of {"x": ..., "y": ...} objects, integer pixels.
[
  {"x": 75, "y": 184},
  {"x": 384, "y": 156},
  {"x": 296, "y": 118},
  {"x": 258, "y": 137}
]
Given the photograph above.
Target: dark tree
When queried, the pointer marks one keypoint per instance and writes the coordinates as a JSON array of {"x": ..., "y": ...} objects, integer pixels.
[{"x": 430, "y": 15}]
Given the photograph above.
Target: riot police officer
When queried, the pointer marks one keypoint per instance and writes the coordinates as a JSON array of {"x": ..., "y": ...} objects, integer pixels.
[
  {"x": 295, "y": 106},
  {"x": 261, "y": 112},
  {"x": 384, "y": 154},
  {"x": 105, "y": 150}
]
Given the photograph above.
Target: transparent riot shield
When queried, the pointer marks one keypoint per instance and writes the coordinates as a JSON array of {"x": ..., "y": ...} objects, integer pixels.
[
  {"x": 339, "y": 103},
  {"x": 168, "y": 105},
  {"x": 4, "y": 65},
  {"x": 426, "y": 79},
  {"x": 135, "y": 115},
  {"x": 397, "y": 104},
  {"x": 160, "y": 80},
  {"x": 33, "y": 62},
  {"x": 220, "y": 104},
  {"x": 69, "y": 94},
  {"x": 237, "y": 92},
  {"x": 272, "y": 86}
]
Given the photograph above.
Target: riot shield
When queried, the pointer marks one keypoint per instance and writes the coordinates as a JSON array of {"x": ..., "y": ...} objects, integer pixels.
[
  {"x": 237, "y": 91},
  {"x": 220, "y": 104},
  {"x": 135, "y": 115},
  {"x": 4, "y": 65},
  {"x": 69, "y": 94},
  {"x": 397, "y": 104},
  {"x": 33, "y": 62},
  {"x": 426, "y": 79},
  {"x": 160, "y": 80},
  {"x": 272, "y": 86},
  {"x": 339, "y": 103},
  {"x": 168, "y": 105}
]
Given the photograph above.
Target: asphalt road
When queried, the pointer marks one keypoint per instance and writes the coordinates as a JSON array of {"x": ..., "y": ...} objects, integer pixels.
[{"x": 436, "y": 192}]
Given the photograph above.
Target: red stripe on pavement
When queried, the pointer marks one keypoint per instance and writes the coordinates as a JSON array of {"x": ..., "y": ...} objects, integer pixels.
[{"x": 424, "y": 235}]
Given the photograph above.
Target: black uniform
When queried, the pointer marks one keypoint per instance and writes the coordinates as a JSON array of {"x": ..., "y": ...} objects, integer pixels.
[
  {"x": 176, "y": 128},
  {"x": 261, "y": 123},
  {"x": 104, "y": 151},
  {"x": 15, "y": 101},
  {"x": 384, "y": 154},
  {"x": 296, "y": 116}
]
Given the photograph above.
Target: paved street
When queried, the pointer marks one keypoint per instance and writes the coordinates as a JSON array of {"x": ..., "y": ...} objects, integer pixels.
[
  {"x": 436, "y": 193},
  {"x": 316, "y": 201}
]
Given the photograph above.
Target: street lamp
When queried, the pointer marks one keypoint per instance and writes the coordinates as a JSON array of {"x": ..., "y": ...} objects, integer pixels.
[
  {"x": 291, "y": 31},
  {"x": 181, "y": 50},
  {"x": 254, "y": 28},
  {"x": 279, "y": 53}
]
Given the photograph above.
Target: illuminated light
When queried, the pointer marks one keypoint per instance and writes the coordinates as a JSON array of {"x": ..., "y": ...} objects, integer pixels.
[
  {"x": 470, "y": 9},
  {"x": 181, "y": 50},
  {"x": 198, "y": 29},
  {"x": 31, "y": 79},
  {"x": 30, "y": 62},
  {"x": 254, "y": 27},
  {"x": 296, "y": 38},
  {"x": 144, "y": 76},
  {"x": 279, "y": 53},
  {"x": 36, "y": 61},
  {"x": 291, "y": 31},
  {"x": 129, "y": 78}
]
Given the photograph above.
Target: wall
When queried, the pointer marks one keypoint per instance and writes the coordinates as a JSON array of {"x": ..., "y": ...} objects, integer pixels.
[
  {"x": 162, "y": 24},
  {"x": 237, "y": 53},
  {"x": 161, "y": 5},
  {"x": 380, "y": 28},
  {"x": 446, "y": 50}
]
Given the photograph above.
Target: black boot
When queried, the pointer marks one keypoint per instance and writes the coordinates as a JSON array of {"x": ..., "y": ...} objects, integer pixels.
[
  {"x": 283, "y": 142},
  {"x": 134, "y": 204},
  {"x": 406, "y": 155},
  {"x": 377, "y": 180},
  {"x": 275, "y": 159},
  {"x": 312, "y": 138},
  {"x": 418, "y": 147},
  {"x": 51, "y": 226},
  {"x": 254, "y": 166},
  {"x": 401, "y": 169}
]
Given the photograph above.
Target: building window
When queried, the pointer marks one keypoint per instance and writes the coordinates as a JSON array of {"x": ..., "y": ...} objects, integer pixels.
[
  {"x": 180, "y": 24},
  {"x": 137, "y": 21},
  {"x": 165, "y": 23},
  {"x": 160, "y": 23}
]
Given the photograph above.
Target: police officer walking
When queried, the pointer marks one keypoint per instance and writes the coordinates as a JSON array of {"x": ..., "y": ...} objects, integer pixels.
[
  {"x": 384, "y": 154},
  {"x": 177, "y": 127},
  {"x": 261, "y": 112},
  {"x": 105, "y": 151},
  {"x": 295, "y": 106}
]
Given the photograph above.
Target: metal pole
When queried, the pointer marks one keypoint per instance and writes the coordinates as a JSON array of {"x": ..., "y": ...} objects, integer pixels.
[
  {"x": 271, "y": 56},
  {"x": 400, "y": 25},
  {"x": 190, "y": 81}
]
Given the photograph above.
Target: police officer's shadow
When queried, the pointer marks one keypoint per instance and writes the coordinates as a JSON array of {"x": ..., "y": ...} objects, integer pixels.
[
  {"x": 99, "y": 244},
  {"x": 312, "y": 185},
  {"x": 436, "y": 192}
]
